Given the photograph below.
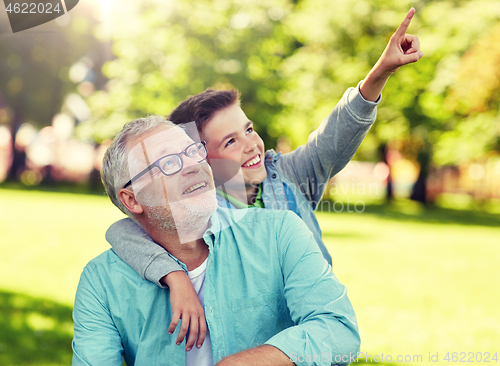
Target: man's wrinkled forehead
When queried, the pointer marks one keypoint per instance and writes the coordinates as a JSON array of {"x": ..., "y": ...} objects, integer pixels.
[{"x": 154, "y": 144}]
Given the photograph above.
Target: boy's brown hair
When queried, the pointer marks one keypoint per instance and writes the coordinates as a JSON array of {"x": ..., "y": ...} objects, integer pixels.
[{"x": 202, "y": 107}]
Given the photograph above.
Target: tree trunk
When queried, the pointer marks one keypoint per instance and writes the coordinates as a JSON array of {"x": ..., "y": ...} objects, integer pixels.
[
  {"x": 389, "y": 189},
  {"x": 18, "y": 154},
  {"x": 419, "y": 191}
]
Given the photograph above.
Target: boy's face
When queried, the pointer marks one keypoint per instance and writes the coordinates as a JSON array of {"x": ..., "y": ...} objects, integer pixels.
[{"x": 230, "y": 135}]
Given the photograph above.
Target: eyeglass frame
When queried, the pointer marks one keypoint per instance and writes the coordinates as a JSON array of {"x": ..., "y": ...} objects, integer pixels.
[{"x": 156, "y": 163}]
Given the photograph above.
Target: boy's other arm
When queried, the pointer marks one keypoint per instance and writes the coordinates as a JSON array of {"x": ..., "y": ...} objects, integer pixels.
[
  {"x": 132, "y": 244},
  {"x": 186, "y": 306}
]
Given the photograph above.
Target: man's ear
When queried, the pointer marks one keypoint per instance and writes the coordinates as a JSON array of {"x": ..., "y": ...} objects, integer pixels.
[{"x": 127, "y": 197}]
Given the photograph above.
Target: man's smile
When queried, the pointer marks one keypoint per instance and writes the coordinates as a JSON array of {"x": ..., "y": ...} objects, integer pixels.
[{"x": 195, "y": 187}]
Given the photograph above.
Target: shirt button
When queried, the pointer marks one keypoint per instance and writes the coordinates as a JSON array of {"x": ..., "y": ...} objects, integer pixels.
[
  {"x": 220, "y": 356},
  {"x": 274, "y": 176},
  {"x": 211, "y": 311}
]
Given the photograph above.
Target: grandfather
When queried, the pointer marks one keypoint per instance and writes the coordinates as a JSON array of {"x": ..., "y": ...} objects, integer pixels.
[{"x": 270, "y": 297}]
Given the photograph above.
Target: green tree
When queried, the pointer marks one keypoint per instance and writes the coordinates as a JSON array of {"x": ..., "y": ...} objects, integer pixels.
[
  {"x": 342, "y": 40},
  {"x": 474, "y": 98},
  {"x": 292, "y": 61},
  {"x": 166, "y": 51},
  {"x": 34, "y": 68}
]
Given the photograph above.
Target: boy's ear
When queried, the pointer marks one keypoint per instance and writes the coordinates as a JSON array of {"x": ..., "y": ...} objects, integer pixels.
[{"x": 127, "y": 197}]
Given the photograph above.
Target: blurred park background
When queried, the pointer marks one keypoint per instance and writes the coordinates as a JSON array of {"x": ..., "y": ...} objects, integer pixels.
[{"x": 413, "y": 222}]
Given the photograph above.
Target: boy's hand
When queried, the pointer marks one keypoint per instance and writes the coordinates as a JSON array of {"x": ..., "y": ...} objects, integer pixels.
[
  {"x": 186, "y": 306},
  {"x": 402, "y": 49}
]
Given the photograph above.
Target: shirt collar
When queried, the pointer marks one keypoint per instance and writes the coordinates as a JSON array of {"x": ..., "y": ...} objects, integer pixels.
[
  {"x": 272, "y": 156},
  {"x": 221, "y": 220},
  {"x": 238, "y": 204},
  {"x": 213, "y": 232}
]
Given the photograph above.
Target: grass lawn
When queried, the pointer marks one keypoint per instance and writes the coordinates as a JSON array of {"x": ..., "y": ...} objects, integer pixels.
[
  {"x": 47, "y": 238},
  {"x": 420, "y": 280}
]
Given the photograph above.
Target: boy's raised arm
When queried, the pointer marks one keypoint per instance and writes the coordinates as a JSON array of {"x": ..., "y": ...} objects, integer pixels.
[
  {"x": 337, "y": 139},
  {"x": 402, "y": 49}
]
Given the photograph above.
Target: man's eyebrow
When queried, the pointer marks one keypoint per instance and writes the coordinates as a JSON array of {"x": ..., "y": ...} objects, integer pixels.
[
  {"x": 248, "y": 124},
  {"x": 166, "y": 150},
  {"x": 160, "y": 154},
  {"x": 163, "y": 153}
]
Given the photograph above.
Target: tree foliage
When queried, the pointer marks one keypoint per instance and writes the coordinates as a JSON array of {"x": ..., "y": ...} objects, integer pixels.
[
  {"x": 34, "y": 67},
  {"x": 175, "y": 49},
  {"x": 34, "y": 71},
  {"x": 293, "y": 60}
]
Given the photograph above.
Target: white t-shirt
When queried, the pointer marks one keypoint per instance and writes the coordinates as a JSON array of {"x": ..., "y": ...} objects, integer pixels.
[{"x": 200, "y": 356}]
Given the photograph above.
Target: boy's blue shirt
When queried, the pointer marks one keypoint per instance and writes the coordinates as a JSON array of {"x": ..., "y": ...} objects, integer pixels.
[
  {"x": 266, "y": 283},
  {"x": 295, "y": 181}
]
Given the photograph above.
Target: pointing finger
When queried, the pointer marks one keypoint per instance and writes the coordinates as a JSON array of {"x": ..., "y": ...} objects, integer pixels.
[{"x": 404, "y": 25}]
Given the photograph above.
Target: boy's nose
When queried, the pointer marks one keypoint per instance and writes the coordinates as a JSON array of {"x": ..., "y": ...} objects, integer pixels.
[{"x": 251, "y": 145}]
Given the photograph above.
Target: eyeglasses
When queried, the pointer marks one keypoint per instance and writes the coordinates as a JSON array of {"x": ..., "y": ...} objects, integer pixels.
[{"x": 172, "y": 163}]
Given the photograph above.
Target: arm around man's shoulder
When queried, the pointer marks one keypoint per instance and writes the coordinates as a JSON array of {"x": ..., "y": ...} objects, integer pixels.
[
  {"x": 325, "y": 328},
  {"x": 132, "y": 244}
]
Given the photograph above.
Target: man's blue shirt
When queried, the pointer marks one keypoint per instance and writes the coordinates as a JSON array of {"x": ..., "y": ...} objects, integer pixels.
[{"x": 266, "y": 283}]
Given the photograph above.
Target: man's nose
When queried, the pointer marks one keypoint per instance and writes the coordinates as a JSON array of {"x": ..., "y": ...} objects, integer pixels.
[{"x": 190, "y": 165}]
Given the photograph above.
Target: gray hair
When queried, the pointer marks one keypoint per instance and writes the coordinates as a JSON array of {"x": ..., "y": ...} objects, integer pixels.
[{"x": 115, "y": 169}]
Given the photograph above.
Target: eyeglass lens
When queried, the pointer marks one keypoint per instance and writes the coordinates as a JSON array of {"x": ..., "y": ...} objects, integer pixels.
[{"x": 172, "y": 163}]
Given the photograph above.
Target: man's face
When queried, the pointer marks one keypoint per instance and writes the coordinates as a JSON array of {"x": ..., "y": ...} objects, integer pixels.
[
  {"x": 230, "y": 135},
  {"x": 171, "y": 200}
]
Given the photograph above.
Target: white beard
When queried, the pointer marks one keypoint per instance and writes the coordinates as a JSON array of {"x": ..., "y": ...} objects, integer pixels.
[{"x": 188, "y": 217}]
